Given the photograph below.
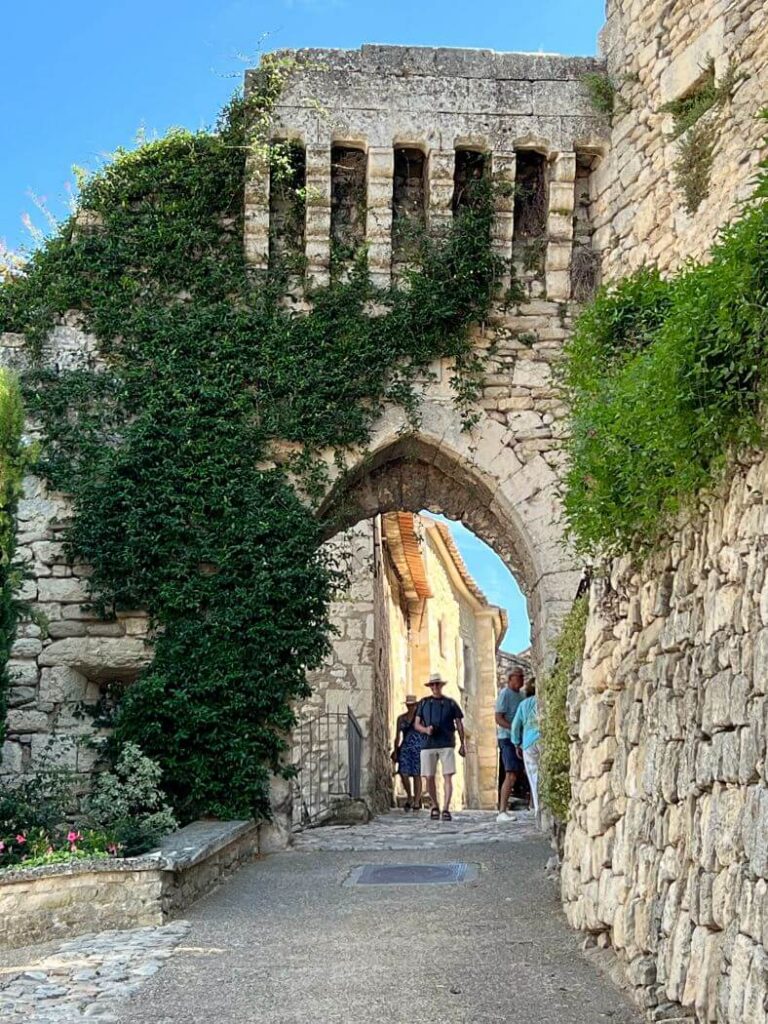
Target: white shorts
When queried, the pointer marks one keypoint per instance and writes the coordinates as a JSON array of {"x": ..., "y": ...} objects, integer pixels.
[{"x": 445, "y": 755}]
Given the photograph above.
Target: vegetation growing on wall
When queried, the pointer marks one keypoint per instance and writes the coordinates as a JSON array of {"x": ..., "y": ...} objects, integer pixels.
[
  {"x": 13, "y": 459},
  {"x": 601, "y": 91},
  {"x": 665, "y": 378},
  {"x": 698, "y": 133},
  {"x": 180, "y": 506},
  {"x": 555, "y": 756}
]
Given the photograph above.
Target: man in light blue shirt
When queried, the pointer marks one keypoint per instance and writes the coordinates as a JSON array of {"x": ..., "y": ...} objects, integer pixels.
[
  {"x": 525, "y": 736},
  {"x": 509, "y": 700}
]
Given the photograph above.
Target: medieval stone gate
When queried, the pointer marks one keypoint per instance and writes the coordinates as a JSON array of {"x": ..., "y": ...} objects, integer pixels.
[{"x": 406, "y": 128}]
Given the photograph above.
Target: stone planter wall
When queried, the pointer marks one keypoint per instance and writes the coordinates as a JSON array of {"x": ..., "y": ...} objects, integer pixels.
[
  {"x": 60, "y": 900},
  {"x": 666, "y": 854}
]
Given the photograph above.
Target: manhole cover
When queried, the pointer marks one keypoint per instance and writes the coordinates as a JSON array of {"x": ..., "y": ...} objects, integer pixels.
[{"x": 412, "y": 874}]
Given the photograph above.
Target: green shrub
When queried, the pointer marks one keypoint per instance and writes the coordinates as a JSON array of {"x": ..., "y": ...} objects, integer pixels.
[
  {"x": 555, "y": 757},
  {"x": 37, "y": 825},
  {"x": 664, "y": 379},
  {"x": 128, "y": 804}
]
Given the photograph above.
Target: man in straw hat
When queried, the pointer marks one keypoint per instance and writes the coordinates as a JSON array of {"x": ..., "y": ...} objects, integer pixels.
[
  {"x": 406, "y": 753},
  {"x": 439, "y": 718}
]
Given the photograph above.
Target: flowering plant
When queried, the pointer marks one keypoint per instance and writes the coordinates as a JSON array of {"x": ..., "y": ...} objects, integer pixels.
[{"x": 35, "y": 846}]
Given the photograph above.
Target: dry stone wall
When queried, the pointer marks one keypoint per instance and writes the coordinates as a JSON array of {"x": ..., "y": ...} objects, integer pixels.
[
  {"x": 666, "y": 851},
  {"x": 666, "y": 855},
  {"x": 64, "y": 655}
]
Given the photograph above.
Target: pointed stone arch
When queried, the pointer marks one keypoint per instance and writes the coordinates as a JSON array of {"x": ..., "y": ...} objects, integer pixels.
[{"x": 472, "y": 476}]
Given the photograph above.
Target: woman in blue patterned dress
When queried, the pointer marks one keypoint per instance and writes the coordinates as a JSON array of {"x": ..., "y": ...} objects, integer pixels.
[{"x": 407, "y": 754}]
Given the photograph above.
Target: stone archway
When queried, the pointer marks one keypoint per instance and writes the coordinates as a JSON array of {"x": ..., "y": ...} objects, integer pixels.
[{"x": 471, "y": 476}]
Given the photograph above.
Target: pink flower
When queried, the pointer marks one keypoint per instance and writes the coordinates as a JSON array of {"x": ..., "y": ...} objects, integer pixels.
[
  {"x": 112, "y": 848},
  {"x": 21, "y": 839},
  {"x": 2, "y": 847},
  {"x": 74, "y": 837}
]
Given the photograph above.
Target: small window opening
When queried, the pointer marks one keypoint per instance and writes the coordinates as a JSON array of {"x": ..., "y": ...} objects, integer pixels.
[
  {"x": 585, "y": 261},
  {"x": 287, "y": 186},
  {"x": 408, "y": 202},
  {"x": 348, "y": 203},
  {"x": 469, "y": 169},
  {"x": 530, "y": 195}
]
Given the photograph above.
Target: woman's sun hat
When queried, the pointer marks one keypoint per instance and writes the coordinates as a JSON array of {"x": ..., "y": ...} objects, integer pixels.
[{"x": 411, "y": 698}]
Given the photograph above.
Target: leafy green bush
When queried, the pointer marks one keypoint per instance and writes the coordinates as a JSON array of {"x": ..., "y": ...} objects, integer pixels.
[
  {"x": 664, "y": 379},
  {"x": 180, "y": 504},
  {"x": 128, "y": 804},
  {"x": 555, "y": 756}
]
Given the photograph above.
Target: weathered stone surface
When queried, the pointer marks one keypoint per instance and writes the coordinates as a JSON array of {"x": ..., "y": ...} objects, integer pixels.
[{"x": 96, "y": 657}]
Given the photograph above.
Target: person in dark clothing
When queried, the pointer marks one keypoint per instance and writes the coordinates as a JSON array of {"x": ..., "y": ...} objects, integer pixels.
[
  {"x": 439, "y": 718},
  {"x": 406, "y": 754}
]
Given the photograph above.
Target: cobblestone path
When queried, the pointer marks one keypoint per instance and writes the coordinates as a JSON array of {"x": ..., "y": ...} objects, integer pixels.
[
  {"x": 86, "y": 977},
  {"x": 289, "y": 940}
]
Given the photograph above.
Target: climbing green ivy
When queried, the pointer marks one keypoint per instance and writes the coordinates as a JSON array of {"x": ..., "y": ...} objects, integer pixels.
[
  {"x": 13, "y": 458},
  {"x": 168, "y": 450},
  {"x": 665, "y": 379},
  {"x": 555, "y": 757}
]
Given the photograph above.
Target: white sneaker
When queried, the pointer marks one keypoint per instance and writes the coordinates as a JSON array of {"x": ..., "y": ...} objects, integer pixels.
[{"x": 505, "y": 816}]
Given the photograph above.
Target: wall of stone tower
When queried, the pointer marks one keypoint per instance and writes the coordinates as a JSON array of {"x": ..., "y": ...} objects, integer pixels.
[
  {"x": 666, "y": 855},
  {"x": 655, "y": 53}
]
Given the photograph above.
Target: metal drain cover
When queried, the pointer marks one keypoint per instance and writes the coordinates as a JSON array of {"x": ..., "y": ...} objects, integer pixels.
[{"x": 412, "y": 874}]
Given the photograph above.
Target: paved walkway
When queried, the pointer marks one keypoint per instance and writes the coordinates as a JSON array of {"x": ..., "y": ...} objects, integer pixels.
[{"x": 288, "y": 940}]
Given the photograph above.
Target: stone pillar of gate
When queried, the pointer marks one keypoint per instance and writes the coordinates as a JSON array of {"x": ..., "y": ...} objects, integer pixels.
[
  {"x": 256, "y": 210},
  {"x": 378, "y": 225},
  {"x": 560, "y": 226},
  {"x": 317, "y": 231},
  {"x": 440, "y": 170},
  {"x": 503, "y": 167},
  {"x": 276, "y": 834}
]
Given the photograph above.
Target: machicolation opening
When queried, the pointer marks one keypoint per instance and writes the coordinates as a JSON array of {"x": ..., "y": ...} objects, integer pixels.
[{"x": 348, "y": 201}]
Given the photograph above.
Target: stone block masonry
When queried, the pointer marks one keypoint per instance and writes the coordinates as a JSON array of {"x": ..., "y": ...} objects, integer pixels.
[
  {"x": 656, "y": 53},
  {"x": 665, "y": 853},
  {"x": 667, "y": 849}
]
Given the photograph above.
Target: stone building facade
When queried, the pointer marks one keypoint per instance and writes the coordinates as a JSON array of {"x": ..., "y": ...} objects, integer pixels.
[{"x": 426, "y": 114}]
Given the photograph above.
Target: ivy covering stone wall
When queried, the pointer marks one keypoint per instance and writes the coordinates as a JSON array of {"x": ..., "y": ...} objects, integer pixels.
[{"x": 166, "y": 439}]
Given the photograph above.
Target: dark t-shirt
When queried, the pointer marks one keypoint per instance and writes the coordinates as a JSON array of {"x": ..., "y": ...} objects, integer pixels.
[{"x": 441, "y": 712}]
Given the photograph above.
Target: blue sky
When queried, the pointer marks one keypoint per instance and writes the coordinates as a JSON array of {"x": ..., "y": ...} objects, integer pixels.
[
  {"x": 496, "y": 581},
  {"x": 81, "y": 80},
  {"x": 84, "y": 79}
]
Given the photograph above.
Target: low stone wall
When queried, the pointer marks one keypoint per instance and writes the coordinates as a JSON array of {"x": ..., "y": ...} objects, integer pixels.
[
  {"x": 60, "y": 900},
  {"x": 666, "y": 854}
]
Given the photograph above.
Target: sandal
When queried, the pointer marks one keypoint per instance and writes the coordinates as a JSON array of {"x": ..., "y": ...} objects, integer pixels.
[
  {"x": 434, "y": 814},
  {"x": 446, "y": 816},
  {"x": 407, "y": 805}
]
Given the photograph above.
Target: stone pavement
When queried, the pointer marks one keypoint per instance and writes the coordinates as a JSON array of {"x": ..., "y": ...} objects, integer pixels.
[
  {"x": 85, "y": 977},
  {"x": 409, "y": 831},
  {"x": 288, "y": 940}
]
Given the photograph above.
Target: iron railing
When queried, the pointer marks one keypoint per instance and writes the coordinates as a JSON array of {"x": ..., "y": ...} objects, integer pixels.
[{"x": 328, "y": 754}]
